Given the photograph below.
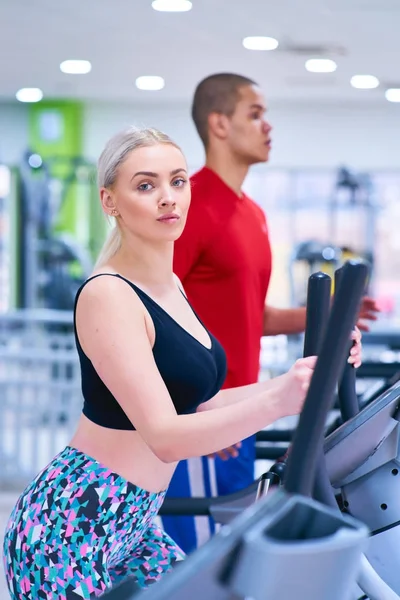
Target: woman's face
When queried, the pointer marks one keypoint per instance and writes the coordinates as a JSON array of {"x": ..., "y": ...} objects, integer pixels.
[{"x": 151, "y": 193}]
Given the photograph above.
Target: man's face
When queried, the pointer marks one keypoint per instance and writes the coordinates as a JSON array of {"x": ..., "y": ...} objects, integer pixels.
[{"x": 249, "y": 134}]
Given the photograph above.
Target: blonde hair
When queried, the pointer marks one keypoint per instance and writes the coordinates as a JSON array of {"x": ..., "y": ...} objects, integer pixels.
[{"x": 114, "y": 154}]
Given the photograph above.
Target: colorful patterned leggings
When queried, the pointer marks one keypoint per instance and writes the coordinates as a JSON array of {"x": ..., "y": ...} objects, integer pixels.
[{"x": 79, "y": 529}]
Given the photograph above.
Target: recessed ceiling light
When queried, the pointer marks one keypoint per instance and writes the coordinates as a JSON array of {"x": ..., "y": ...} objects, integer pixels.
[
  {"x": 393, "y": 95},
  {"x": 29, "y": 95},
  {"x": 76, "y": 67},
  {"x": 321, "y": 65},
  {"x": 172, "y": 5},
  {"x": 150, "y": 82},
  {"x": 260, "y": 43},
  {"x": 364, "y": 82}
]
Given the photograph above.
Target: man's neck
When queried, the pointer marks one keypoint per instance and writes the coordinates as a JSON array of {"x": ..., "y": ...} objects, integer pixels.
[{"x": 232, "y": 172}]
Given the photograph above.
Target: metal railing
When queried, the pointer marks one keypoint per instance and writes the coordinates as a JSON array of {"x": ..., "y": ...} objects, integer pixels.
[{"x": 40, "y": 392}]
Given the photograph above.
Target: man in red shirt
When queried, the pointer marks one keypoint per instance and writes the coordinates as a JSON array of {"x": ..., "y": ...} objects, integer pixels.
[{"x": 223, "y": 259}]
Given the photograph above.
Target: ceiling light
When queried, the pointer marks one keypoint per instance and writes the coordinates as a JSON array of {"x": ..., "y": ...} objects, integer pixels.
[
  {"x": 29, "y": 95},
  {"x": 172, "y": 5},
  {"x": 364, "y": 82},
  {"x": 321, "y": 65},
  {"x": 393, "y": 95},
  {"x": 260, "y": 43},
  {"x": 76, "y": 67},
  {"x": 150, "y": 82}
]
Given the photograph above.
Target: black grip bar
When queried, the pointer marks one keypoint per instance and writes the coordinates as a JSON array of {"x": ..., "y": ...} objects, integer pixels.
[
  {"x": 348, "y": 401},
  {"x": 317, "y": 314},
  {"x": 304, "y": 456},
  {"x": 201, "y": 506},
  {"x": 274, "y": 435},
  {"x": 270, "y": 452}
]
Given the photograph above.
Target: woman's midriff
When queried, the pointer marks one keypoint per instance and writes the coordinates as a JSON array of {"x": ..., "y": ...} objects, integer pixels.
[{"x": 125, "y": 453}]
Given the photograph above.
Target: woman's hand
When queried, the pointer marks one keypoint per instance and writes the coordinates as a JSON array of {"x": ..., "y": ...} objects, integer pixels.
[
  {"x": 293, "y": 386},
  {"x": 356, "y": 350}
]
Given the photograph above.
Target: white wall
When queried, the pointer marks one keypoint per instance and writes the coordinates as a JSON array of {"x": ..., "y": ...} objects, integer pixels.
[
  {"x": 103, "y": 120},
  {"x": 324, "y": 136},
  {"x": 304, "y": 135}
]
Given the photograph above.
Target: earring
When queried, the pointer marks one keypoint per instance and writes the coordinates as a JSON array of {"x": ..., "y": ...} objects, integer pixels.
[{"x": 114, "y": 212}]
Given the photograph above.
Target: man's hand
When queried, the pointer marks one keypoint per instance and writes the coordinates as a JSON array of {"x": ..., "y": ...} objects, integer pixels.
[
  {"x": 231, "y": 452},
  {"x": 368, "y": 311},
  {"x": 356, "y": 349}
]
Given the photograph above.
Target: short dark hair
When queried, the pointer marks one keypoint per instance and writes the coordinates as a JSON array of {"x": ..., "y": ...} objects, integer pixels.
[{"x": 217, "y": 93}]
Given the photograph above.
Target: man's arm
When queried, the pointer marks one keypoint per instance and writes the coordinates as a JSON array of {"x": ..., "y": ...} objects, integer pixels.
[{"x": 288, "y": 321}]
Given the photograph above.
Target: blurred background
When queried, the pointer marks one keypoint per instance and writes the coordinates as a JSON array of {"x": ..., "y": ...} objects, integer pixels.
[{"x": 73, "y": 74}]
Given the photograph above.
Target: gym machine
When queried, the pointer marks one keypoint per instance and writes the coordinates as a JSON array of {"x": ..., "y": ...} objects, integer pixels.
[
  {"x": 51, "y": 266},
  {"x": 358, "y": 191},
  {"x": 351, "y": 192},
  {"x": 287, "y": 544}
]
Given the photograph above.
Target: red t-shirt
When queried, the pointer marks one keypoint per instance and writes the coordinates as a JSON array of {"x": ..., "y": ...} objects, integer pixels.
[{"x": 223, "y": 259}]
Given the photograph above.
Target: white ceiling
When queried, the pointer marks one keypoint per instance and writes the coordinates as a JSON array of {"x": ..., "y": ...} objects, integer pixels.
[{"x": 127, "y": 38}]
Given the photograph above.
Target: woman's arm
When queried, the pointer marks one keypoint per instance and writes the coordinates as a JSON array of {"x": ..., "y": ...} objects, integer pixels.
[
  {"x": 112, "y": 331},
  {"x": 232, "y": 396}
]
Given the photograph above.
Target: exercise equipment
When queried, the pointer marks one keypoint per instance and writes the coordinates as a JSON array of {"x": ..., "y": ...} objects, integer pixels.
[
  {"x": 363, "y": 464},
  {"x": 314, "y": 256},
  {"x": 377, "y": 574},
  {"x": 367, "y": 476},
  {"x": 348, "y": 475},
  {"x": 352, "y": 195},
  {"x": 354, "y": 191},
  {"x": 383, "y": 354},
  {"x": 52, "y": 265}
]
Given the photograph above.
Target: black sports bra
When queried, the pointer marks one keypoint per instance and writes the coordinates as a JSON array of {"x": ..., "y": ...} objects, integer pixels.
[{"x": 191, "y": 372}]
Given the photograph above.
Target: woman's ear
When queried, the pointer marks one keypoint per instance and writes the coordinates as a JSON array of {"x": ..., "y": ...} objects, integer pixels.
[{"x": 107, "y": 202}]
